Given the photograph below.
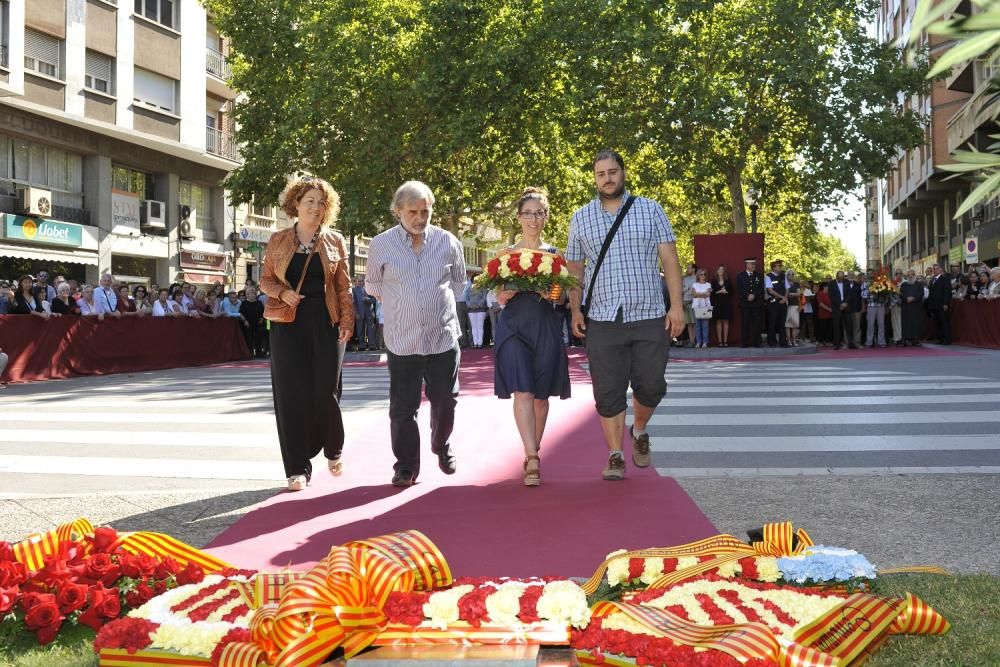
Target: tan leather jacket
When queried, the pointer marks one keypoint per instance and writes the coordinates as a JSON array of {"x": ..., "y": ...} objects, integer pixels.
[{"x": 331, "y": 253}]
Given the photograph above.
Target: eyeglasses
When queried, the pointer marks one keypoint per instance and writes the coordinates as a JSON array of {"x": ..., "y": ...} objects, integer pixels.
[{"x": 537, "y": 215}]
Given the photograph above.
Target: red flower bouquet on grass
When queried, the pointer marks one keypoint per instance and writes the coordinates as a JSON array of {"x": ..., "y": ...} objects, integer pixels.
[
  {"x": 527, "y": 270},
  {"x": 89, "y": 582}
]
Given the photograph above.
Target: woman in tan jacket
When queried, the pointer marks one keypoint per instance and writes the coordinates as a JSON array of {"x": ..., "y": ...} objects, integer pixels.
[{"x": 305, "y": 352}]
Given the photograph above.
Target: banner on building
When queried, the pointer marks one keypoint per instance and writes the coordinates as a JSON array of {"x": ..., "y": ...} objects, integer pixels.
[
  {"x": 203, "y": 261},
  {"x": 40, "y": 230},
  {"x": 124, "y": 212}
]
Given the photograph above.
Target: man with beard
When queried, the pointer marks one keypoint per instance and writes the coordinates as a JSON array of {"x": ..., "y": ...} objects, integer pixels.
[
  {"x": 616, "y": 245},
  {"x": 911, "y": 294}
]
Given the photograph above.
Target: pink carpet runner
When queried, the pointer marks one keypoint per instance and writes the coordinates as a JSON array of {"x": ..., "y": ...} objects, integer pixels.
[{"x": 483, "y": 518}]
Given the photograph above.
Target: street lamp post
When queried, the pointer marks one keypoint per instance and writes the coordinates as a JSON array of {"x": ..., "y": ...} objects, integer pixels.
[{"x": 752, "y": 198}]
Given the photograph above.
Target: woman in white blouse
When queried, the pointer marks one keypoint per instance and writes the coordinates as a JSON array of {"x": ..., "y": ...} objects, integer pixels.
[{"x": 86, "y": 302}]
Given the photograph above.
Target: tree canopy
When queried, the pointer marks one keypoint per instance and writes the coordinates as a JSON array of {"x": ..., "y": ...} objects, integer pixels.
[{"x": 482, "y": 97}]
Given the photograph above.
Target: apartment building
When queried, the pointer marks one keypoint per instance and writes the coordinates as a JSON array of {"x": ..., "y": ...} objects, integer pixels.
[
  {"x": 916, "y": 204},
  {"x": 115, "y": 137}
]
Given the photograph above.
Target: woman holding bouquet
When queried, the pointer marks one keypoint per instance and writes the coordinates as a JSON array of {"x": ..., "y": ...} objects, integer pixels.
[{"x": 530, "y": 358}]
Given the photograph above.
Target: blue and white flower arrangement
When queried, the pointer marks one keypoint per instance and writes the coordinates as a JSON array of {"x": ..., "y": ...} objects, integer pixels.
[{"x": 821, "y": 564}]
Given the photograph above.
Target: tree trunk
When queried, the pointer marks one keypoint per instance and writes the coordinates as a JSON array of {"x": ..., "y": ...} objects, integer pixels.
[{"x": 735, "y": 184}]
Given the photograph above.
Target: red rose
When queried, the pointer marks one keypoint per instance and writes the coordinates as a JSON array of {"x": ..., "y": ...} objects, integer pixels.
[
  {"x": 160, "y": 587},
  {"x": 104, "y": 604},
  {"x": 6, "y": 552},
  {"x": 493, "y": 267},
  {"x": 103, "y": 540},
  {"x": 129, "y": 564},
  {"x": 33, "y": 599},
  {"x": 71, "y": 597},
  {"x": 147, "y": 564},
  {"x": 12, "y": 573},
  {"x": 8, "y": 597},
  {"x": 514, "y": 262},
  {"x": 192, "y": 574},
  {"x": 45, "y": 620},
  {"x": 101, "y": 567},
  {"x": 53, "y": 573},
  {"x": 167, "y": 568},
  {"x": 140, "y": 596}
]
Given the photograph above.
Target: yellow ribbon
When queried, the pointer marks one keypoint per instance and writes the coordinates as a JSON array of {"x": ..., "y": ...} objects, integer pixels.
[
  {"x": 33, "y": 550},
  {"x": 778, "y": 540},
  {"x": 339, "y": 602}
]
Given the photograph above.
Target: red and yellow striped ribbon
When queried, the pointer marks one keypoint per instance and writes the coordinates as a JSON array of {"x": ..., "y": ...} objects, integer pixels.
[
  {"x": 918, "y": 618},
  {"x": 778, "y": 540},
  {"x": 339, "y": 602},
  {"x": 33, "y": 550}
]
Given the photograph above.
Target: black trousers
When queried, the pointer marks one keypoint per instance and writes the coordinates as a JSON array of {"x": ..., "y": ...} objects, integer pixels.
[
  {"x": 776, "y": 314},
  {"x": 842, "y": 327},
  {"x": 438, "y": 373},
  {"x": 305, "y": 381},
  {"x": 942, "y": 324},
  {"x": 750, "y": 325}
]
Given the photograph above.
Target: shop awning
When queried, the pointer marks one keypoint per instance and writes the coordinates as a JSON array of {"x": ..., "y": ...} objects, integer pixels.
[
  {"x": 49, "y": 254},
  {"x": 204, "y": 277}
]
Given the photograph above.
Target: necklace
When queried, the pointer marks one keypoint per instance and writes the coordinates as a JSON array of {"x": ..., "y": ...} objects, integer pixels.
[{"x": 312, "y": 242}]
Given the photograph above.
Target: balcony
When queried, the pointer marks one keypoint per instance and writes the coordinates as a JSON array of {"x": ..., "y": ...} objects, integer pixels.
[
  {"x": 219, "y": 72},
  {"x": 976, "y": 113},
  {"x": 221, "y": 144}
]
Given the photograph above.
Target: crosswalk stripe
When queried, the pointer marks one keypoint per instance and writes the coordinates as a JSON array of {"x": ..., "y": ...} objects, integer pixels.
[
  {"x": 783, "y": 472},
  {"x": 797, "y": 379},
  {"x": 127, "y": 467},
  {"x": 220, "y": 439},
  {"x": 821, "y": 443},
  {"x": 908, "y": 399},
  {"x": 784, "y": 418},
  {"x": 832, "y": 388}
]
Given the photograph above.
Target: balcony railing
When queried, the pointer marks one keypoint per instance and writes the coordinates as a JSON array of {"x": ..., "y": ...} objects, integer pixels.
[
  {"x": 221, "y": 143},
  {"x": 216, "y": 64},
  {"x": 3, "y": 55}
]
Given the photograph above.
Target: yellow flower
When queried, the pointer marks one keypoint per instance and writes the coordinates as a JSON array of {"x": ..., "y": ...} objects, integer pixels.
[
  {"x": 767, "y": 568},
  {"x": 730, "y": 569}
]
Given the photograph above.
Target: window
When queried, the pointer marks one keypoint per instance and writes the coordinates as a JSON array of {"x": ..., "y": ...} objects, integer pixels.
[
  {"x": 100, "y": 73},
  {"x": 262, "y": 211},
  {"x": 131, "y": 180},
  {"x": 41, "y": 53},
  {"x": 155, "y": 91},
  {"x": 199, "y": 198},
  {"x": 161, "y": 11},
  {"x": 27, "y": 163}
]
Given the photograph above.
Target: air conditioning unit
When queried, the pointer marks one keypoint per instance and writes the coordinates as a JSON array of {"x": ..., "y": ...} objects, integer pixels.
[
  {"x": 153, "y": 213},
  {"x": 188, "y": 218},
  {"x": 34, "y": 201}
]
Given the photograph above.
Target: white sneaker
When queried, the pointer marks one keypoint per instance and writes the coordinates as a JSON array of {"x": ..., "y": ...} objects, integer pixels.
[{"x": 297, "y": 482}]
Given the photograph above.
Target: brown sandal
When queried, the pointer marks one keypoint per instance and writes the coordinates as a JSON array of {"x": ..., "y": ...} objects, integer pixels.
[{"x": 532, "y": 475}]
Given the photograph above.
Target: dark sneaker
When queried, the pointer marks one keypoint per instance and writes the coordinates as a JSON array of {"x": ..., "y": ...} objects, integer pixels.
[
  {"x": 403, "y": 479},
  {"x": 615, "y": 470},
  {"x": 446, "y": 460},
  {"x": 640, "y": 449}
]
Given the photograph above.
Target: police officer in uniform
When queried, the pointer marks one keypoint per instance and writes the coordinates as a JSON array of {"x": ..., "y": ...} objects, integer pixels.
[{"x": 750, "y": 286}]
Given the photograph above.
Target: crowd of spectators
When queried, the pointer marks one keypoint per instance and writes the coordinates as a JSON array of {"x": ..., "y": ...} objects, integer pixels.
[
  {"x": 840, "y": 311},
  {"x": 111, "y": 298}
]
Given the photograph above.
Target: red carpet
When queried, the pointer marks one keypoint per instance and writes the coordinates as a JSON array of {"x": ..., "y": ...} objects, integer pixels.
[{"x": 483, "y": 519}]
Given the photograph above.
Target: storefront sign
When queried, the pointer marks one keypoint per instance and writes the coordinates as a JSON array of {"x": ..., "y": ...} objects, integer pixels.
[
  {"x": 124, "y": 212},
  {"x": 256, "y": 234},
  {"x": 204, "y": 278},
  {"x": 972, "y": 250},
  {"x": 203, "y": 261},
  {"x": 40, "y": 230}
]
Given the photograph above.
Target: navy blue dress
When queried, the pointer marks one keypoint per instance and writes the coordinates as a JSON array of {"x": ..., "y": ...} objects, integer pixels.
[{"x": 529, "y": 353}]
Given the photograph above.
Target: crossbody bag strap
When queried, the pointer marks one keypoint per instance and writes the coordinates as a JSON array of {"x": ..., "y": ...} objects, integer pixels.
[
  {"x": 312, "y": 251},
  {"x": 604, "y": 249}
]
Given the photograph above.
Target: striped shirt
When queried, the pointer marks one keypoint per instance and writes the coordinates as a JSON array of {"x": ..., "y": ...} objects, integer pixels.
[
  {"x": 630, "y": 275},
  {"x": 417, "y": 290}
]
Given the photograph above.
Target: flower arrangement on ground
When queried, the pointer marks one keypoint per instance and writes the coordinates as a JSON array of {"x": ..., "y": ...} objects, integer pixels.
[
  {"x": 89, "y": 582},
  {"x": 527, "y": 270}
]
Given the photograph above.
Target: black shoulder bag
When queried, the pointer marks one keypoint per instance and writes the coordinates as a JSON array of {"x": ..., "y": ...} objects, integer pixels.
[{"x": 604, "y": 251}]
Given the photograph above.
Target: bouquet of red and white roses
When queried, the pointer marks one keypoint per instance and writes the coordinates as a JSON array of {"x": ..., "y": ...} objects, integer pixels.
[
  {"x": 527, "y": 270},
  {"x": 883, "y": 289}
]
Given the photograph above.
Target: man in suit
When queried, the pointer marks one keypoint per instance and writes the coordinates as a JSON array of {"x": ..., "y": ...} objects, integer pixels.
[
  {"x": 840, "y": 292},
  {"x": 364, "y": 316},
  {"x": 856, "y": 306},
  {"x": 750, "y": 286},
  {"x": 938, "y": 300}
]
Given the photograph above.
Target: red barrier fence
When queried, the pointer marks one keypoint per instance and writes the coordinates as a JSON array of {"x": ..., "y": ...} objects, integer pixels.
[
  {"x": 62, "y": 347},
  {"x": 975, "y": 323}
]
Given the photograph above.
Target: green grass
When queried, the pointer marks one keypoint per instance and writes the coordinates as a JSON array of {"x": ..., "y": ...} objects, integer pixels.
[{"x": 970, "y": 603}]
